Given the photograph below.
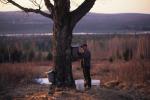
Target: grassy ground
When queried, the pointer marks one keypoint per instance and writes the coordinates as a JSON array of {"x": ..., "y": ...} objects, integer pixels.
[{"x": 120, "y": 80}]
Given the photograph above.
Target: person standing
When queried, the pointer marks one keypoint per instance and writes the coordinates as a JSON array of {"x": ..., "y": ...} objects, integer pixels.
[{"x": 86, "y": 65}]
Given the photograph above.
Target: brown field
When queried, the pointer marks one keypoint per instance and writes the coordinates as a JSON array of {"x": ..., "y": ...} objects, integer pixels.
[
  {"x": 21, "y": 73},
  {"x": 128, "y": 74},
  {"x": 119, "y": 74},
  {"x": 131, "y": 72}
]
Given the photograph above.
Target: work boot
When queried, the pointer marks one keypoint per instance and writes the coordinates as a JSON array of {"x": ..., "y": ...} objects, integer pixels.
[{"x": 51, "y": 90}]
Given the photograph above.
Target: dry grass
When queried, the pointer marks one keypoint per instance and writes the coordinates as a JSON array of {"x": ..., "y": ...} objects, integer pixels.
[
  {"x": 24, "y": 73},
  {"x": 132, "y": 72},
  {"x": 115, "y": 47}
]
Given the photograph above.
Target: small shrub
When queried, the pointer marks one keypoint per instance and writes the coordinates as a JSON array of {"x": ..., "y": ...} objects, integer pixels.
[
  {"x": 31, "y": 55},
  {"x": 49, "y": 56},
  {"x": 111, "y": 59},
  {"x": 141, "y": 56},
  {"x": 127, "y": 54},
  {"x": 78, "y": 68}
]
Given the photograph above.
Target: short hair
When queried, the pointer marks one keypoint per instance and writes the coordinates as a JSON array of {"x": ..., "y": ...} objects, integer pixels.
[{"x": 84, "y": 45}]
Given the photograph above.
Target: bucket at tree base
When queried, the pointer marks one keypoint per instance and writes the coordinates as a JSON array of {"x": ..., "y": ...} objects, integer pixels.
[{"x": 80, "y": 84}]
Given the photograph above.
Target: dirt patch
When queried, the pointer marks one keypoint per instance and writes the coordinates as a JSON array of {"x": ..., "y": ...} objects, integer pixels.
[{"x": 40, "y": 92}]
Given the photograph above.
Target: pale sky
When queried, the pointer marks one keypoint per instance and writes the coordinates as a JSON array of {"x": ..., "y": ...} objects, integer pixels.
[{"x": 101, "y": 6}]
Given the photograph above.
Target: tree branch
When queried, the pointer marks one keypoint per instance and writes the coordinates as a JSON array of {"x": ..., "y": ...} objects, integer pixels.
[
  {"x": 4, "y": 1},
  {"x": 30, "y": 9},
  {"x": 81, "y": 11},
  {"x": 49, "y": 6},
  {"x": 36, "y": 3}
]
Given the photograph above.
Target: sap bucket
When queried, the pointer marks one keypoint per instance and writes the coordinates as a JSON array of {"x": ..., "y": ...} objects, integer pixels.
[
  {"x": 79, "y": 84},
  {"x": 51, "y": 76}
]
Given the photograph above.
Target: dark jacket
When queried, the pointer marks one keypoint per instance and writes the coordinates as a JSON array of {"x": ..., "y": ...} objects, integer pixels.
[{"x": 86, "y": 59}]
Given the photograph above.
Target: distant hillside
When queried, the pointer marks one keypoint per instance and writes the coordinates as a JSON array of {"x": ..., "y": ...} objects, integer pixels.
[{"x": 19, "y": 22}]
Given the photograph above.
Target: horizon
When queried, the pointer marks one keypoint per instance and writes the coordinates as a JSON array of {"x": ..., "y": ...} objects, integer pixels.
[
  {"x": 101, "y": 6},
  {"x": 87, "y": 13}
]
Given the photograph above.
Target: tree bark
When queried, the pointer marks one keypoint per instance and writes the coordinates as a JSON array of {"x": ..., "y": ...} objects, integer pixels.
[{"x": 62, "y": 38}]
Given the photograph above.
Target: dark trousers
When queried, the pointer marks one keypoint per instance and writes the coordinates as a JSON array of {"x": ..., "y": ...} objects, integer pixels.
[
  {"x": 87, "y": 77},
  {"x": 51, "y": 89}
]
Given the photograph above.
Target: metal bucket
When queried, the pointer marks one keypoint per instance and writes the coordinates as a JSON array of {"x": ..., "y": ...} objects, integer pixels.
[
  {"x": 79, "y": 85},
  {"x": 51, "y": 76}
]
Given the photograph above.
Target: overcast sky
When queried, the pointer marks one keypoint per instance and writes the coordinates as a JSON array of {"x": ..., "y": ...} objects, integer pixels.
[{"x": 101, "y": 6}]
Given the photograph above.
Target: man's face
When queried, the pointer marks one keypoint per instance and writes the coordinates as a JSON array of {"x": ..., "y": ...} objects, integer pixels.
[
  {"x": 84, "y": 47},
  {"x": 81, "y": 50}
]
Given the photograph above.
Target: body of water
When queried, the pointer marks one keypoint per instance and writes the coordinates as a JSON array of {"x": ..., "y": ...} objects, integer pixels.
[{"x": 49, "y": 34}]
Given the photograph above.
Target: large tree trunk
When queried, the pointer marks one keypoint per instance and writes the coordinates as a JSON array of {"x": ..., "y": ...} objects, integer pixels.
[
  {"x": 62, "y": 38},
  {"x": 64, "y": 22}
]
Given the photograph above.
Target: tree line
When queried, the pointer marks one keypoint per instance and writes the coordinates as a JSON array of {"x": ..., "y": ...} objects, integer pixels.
[{"x": 24, "y": 50}]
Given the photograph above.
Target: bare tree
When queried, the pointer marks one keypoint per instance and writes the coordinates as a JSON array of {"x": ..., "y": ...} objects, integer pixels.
[{"x": 64, "y": 22}]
